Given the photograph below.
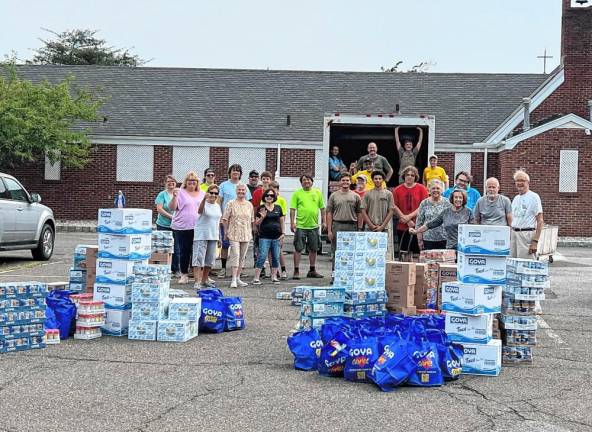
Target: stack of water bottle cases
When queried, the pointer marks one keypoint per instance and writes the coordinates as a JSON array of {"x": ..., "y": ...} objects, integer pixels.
[
  {"x": 358, "y": 289},
  {"x": 471, "y": 303},
  {"x": 22, "y": 316},
  {"x": 526, "y": 283}
]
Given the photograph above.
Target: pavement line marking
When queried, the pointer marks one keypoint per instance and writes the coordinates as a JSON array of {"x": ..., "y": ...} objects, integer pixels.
[
  {"x": 29, "y": 266},
  {"x": 543, "y": 324}
]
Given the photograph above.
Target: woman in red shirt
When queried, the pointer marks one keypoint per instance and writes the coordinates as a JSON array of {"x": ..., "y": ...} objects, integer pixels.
[{"x": 408, "y": 196}]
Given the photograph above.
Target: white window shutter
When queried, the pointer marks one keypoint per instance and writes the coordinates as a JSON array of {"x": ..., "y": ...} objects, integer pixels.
[
  {"x": 248, "y": 158},
  {"x": 135, "y": 163},
  {"x": 52, "y": 171},
  {"x": 462, "y": 162},
  {"x": 191, "y": 158},
  {"x": 568, "y": 171}
]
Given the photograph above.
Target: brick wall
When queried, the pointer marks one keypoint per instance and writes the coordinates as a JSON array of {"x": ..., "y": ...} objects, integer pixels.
[
  {"x": 219, "y": 161},
  {"x": 477, "y": 171},
  {"x": 446, "y": 161},
  {"x": 539, "y": 156},
  {"x": 271, "y": 160},
  {"x": 295, "y": 162}
]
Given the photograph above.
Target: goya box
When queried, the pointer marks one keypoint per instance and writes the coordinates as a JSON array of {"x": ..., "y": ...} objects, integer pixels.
[
  {"x": 176, "y": 331},
  {"x": 150, "y": 310},
  {"x": 343, "y": 279},
  {"x": 482, "y": 359},
  {"x": 471, "y": 299},
  {"x": 147, "y": 292},
  {"x": 323, "y": 294},
  {"x": 371, "y": 241},
  {"x": 142, "y": 330},
  {"x": 489, "y": 270},
  {"x": 128, "y": 247},
  {"x": 491, "y": 240},
  {"x": 369, "y": 280},
  {"x": 124, "y": 221},
  {"x": 317, "y": 309},
  {"x": 115, "y": 271},
  {"x": 468, "y": 328},
  {"x": 113, "y": 295},
  {"x": 185, "y": 309}
]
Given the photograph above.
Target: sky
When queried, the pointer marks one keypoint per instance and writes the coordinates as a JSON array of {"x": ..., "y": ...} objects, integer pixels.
[{"x": 502, "y": 36}]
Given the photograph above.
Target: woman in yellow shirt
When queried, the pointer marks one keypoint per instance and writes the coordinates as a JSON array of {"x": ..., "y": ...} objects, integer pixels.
[{"x": 434, "y": 172}]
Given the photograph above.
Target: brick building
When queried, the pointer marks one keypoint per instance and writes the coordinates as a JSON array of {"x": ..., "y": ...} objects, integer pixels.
[{"x": 163, "y": 120}]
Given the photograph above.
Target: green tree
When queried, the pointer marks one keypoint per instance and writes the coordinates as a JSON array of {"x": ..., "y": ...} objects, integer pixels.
[
  {"x": 422, "y": 67},
  {"x": 81, "y": 47},
  {"x": 39, "y": 119}
]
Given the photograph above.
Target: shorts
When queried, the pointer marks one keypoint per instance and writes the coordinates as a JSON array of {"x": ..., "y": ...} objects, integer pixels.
[
  {"x": 204, "y": 253},
  {"x": 225, "y": 243},
  {"x": 307, "y": 238}
]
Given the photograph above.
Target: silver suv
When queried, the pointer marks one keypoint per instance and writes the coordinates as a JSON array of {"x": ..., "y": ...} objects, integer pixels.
[{"x": 24, "y": 222}]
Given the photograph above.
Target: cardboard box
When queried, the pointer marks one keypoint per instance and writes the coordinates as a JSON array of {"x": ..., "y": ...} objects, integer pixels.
[
  {"x": 150, "y": 311},
  {"x": 471, "y": 299},
  {"x": 369, "y": 280},
  {"x": 420, "y": 287},
  {"x": 492, "y": 240},
  {"x": 113, "y": 295},
  {"x": 149, "y": 292},
  {"x": 307, "y": 323},
  {"x": 402, "y": 296},
  {"x": 488, "y": 270},
  {"x": 343, "y": 279},
  {"x": 116, "y": 321},
  {"x": 161, "y": 258},
  {"x": 468, "y": 328},
  {"x": 124, "y": 221},
  {"x": 526, "y": 266},
  {"x": 400, "y": 273},
  {"x": 344, "y": 260},
  {"x": 371, "y": 241},
  {"x": 316, "y": 309},
  {"x": 116, "y": 271},
  {"x": 346, "y": 240},
  {"x": 323, "y": 294},
  {"x": 77, "y": 275},
  {"x": 372, "y": 260},
  {"x": 127, "y": 247},
  {"x": 363, "y": 297},
  {"x": 142, "y": 330},
  {"x": 408, "y": 311},
  {"x": 188, "y": 309},
  {"x": 176, "y": 331},
  {"x": 482, "y": 359}
]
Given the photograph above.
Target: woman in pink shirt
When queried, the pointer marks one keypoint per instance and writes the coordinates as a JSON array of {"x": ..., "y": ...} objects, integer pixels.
[{"x": 185, "y": 204}]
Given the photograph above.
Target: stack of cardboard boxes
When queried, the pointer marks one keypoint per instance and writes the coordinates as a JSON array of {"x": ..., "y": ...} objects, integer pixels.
[
  {"x": 124, "y": 241},
  {"x": 401, "y": 279},
  {"x": 83, "y": 271},
  {"x": 162, "y": 247},
  {"x": 471, "y": 302},
  {"x": 320, "y": 303},
  {"x": 360, "y": 264},
  {"x": 435, "y": 267},
  {"x": 526, "y": 283}
]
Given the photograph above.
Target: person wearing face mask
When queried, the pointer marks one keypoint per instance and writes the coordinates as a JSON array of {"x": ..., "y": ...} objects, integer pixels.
[
  {"x": 493, "y": 208},
  {"x": 379, "y": 163},
  {"x": 407, "y": 152},
  {"x": 450, "y": 219},
  {"x": 205, "y": 237}
]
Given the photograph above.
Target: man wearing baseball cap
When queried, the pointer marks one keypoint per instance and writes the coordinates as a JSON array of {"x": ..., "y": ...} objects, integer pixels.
[
  {"x": 434, "y": 172},
  {"x": 253, "y": 183}
]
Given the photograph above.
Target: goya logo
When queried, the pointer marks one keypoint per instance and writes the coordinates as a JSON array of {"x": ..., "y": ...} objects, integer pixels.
[
  {"x": 470, "y": 351},
  {"x": 367, "y": 351},
  {"x": 316, "y": 344},
  {"x": 448, "y": 273},
  {"x": 336, "y": 362},
  {"x": 212, "y": 312},
  {"x": 452, "y": 289},
  {"x": 489, "y": 291},
  {"x": 136, "y": 240},
  {"x": 477, "y": 261},
  {"x": 104, "y": 264},
  {"x": 459, "y": 320},
  {"x": 454, "y": 364},
  {"x": 236, "y": 306},
  {"x": 105, "y": 213},
  {"x": 103, "y": 289},
  {"x": 474, "y": 234},
  {"x": 387, "y": 354}
]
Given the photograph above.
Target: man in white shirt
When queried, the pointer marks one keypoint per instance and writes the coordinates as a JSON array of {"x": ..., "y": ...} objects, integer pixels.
[{"x": 527, "y": 219}]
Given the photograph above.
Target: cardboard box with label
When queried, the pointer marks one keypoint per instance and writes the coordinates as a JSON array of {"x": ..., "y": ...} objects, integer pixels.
[
  {"x": 124, "y": 221},
  {"x": 369, "y": 280},
  {"x": 185, "y": 309},
  {"x": 468, "y": 328},
  {"x": 488, "y": 270},
  {"x": 113, "y": 295},
  {"x": 116, "y": 271},
  {"x": 150, "y": 311},
  {"x": 420, "y": 286},
  {"x": 492, "y": 240},
  {"x": 116, "y": 321},
  {"x": 482, "y": 359},
  {"x": 344, "y": 260},
  {"x": 371, "y": 241},
  {"x": 128, "y": 247},
  {"x": 142, "y": 330},
  {"x": 471, "y": 299},
  {"x": 176, "y": 331}
]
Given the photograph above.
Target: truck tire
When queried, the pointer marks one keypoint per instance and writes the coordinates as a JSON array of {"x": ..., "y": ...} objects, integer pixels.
[{"x": 45, "y": 246}]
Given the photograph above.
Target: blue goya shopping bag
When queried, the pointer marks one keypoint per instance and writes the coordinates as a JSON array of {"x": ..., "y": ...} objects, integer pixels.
[
  {"x": 394, "y": 366},
  {"x": 213, "y": 315},
  {"x": 333, "y": 355},
  {"x": 362, "y": 354},
  {"x": 306, "y": 347},
  {"x": 427, "y": 363},
  {"x": 233, "y": 313}
]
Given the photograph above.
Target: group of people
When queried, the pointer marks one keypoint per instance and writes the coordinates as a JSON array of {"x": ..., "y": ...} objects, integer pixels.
[{"x": 208, "y": 220}]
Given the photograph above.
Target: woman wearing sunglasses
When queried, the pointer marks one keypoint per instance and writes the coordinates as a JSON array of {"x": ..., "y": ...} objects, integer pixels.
[
  {"x": 185, "y": 203},
  {"x": 270, "y": 224},
  {"x": 205, "y": 238},
  {"x": 165, "y": 214}
]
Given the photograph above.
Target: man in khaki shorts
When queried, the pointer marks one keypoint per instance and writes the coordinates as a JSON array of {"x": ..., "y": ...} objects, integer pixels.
[{"x": 527, "y": 219}]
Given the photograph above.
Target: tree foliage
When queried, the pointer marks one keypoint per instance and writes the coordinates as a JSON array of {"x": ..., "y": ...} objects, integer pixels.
[
  {"x": 39, "y": 118},
  {"x": 421, "y": 67},
  {"x": 81, "y": 47}
]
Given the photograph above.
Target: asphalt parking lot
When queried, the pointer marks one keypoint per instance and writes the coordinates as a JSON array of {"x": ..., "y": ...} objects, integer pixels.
[{"x": 245, "y": 380}]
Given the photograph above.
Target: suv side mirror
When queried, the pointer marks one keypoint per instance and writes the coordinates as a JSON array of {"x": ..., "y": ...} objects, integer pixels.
[{"x": 35, "y": 197}]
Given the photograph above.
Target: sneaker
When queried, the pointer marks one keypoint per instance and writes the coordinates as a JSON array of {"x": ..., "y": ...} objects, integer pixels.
[
  {"x": 209, "y": 285},
  {"x": 198, "y": 286},
  {"x": 284, "y": 275},
  {"x": 275, "y": 281},
  {"x": 241, "y": 283},
  {"x": 184, "y": 279},
  {"x": 256, "y": 282},
  {"x": 296, "y": 275},
  {"x": 211, "y": 281},
  {"x": 213, "y": 272},
  {"x": 233, "y": 284},
  {"x": 314, "y": 274},
  {"x": 222, "y": 273}
]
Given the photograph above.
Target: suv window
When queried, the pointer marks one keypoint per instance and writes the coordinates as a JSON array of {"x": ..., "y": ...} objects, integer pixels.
[
  {"x": 15, "y": 190},
  {"x": 3, "y": 193}
]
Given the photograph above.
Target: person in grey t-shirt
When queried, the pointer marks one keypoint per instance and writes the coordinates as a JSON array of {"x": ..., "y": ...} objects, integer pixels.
[
  {"x": 493, "y": 208},
  {"x": 450, "y": 219}
]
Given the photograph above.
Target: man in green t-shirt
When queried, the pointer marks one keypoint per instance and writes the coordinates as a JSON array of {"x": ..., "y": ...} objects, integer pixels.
[{"x": 305, "y": 205}]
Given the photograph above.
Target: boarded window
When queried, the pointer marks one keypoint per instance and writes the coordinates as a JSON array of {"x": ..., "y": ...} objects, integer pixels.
[
  {"x": 462, "y": 162},
  {"x": 52, "y": 171},
  {"x": 248, "y": 158},
  {"x": 135, "y": 163},
  {"x": 187, "y": 159},
  {"x": 568, "y": 171}
]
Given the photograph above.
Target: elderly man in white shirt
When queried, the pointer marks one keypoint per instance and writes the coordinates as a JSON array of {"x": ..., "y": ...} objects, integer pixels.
[{"x": 527, "y": 219}]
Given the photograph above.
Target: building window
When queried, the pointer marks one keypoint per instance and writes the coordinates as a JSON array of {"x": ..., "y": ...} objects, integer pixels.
[
  {"x": 135, "y": 163},
  {"x": 568, "y": 171},
  {"x": 52, "y": 171},
  {"x": 462, "y": 162},
  {"x": 187, "y": 159},
  {"x": 248, "y": 158}
]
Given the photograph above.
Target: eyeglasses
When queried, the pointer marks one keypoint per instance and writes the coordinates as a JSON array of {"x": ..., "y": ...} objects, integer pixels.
[
  {"x": 210, "y": 175},
  {"x": 462, "y": 180},
  {"x": 214, "y": 193},
  {"x": 269, "y": 196}
]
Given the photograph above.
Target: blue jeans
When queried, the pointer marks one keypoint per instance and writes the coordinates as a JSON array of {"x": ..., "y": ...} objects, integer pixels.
[{"x": 264, "y": 246}]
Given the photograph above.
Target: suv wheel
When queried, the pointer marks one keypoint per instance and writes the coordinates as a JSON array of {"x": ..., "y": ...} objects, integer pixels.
[{"x": 44, "y": 248}]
